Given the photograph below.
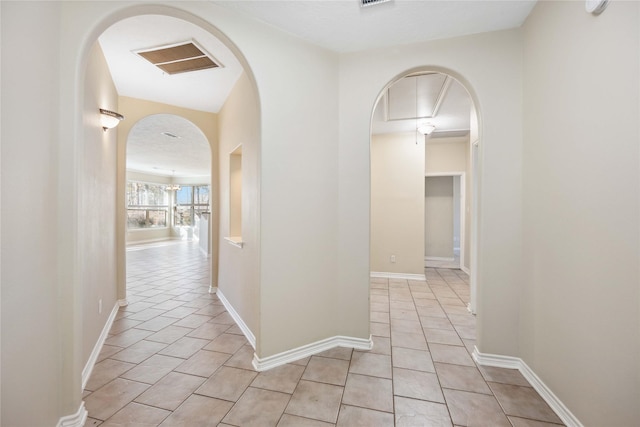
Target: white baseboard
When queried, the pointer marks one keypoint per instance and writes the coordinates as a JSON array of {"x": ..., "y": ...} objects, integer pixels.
[
  {"x": 88, "y": 368},
  {"x": 465, "y": 269},
  {"x": 545, "y": 392},
  {"x": 437, "y": 258},
  {"x": 309, "y": 350},
  {"x": 234, "y": 314},
  {"x": 146, "y": 241},
  {"x": 76, "y": 420},
  {"x": 407, "y": 276},
  {"x": 213, "y": 289}
]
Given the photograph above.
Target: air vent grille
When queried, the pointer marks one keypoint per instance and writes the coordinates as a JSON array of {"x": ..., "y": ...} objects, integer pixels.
[
  {"x": 365, "y": 3},
  {"x": 179, "y": 58}
]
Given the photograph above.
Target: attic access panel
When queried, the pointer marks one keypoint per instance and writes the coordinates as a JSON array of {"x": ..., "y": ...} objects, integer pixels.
[
  {"x": 179, "y": 58},
  {"x": 416, "y": 96}
]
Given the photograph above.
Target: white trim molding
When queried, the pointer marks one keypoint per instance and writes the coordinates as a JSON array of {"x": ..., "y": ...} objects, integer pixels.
[
  {"x": 545, "y": 392},
  {"x": 235, "y": 241},
  {"x": 213, "y": 289},
  {"x": 407, "y": 276},
  {"x": 234, "y": 314},
  {"x": 88, "y": 368},
  {"x": 438, "y": 258},
  {"x": 309, "y": 350},
  {"x": 76, "y": 420}
]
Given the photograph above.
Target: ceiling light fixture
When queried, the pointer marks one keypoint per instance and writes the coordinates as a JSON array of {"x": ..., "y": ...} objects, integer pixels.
[
  {"x": 426, "y": 129},
  {"x": 109, "y": 119}
]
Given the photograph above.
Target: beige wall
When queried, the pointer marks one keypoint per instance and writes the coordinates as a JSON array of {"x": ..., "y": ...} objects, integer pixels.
[
  {"x": 97, "y": 215},
  {"x": 31, "y": 323},
  {"x": 445, "y": 155},
  {"x": 438, "y": 217},
  {"x": 239, "y": 274},
  {"x": 580, "y": 317},
  {"x": 135, "y": 110},
  {"x": 314, "y": 201},
  {"x": 397, "y": 203}
]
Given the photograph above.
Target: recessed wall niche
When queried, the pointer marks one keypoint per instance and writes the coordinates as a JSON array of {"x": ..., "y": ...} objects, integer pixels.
[{"x": 235, "y": 196}]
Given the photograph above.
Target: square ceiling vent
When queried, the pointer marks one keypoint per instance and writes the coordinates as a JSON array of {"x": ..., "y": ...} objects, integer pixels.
[{"x": 179, "y": 58}]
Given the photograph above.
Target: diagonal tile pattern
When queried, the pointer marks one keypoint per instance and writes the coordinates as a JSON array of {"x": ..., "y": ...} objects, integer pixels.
[{"x": 174, "y": 357}]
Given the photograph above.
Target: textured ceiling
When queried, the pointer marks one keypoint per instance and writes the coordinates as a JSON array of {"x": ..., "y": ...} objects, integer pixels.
[
  {"x": 338, "y": 25},
  {"x": 344, "y": 26},
  {"x": 204, "y": 90},
  {"x": 150, "y": 151}
]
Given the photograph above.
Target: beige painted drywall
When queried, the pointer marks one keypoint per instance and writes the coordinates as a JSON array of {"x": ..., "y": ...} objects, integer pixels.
[
  {"x": 438, "y": 217},
  {"x": 580, "y": 319},
  {"x": 239, "y": 276},
  {"x": 490, "y": 66},
  {"x": 97, "y": 215},
  {"x": 397, "y": 203},
  {"x": 30, "y": 295},
  {"x": 134, "y": 110},
  {"x": 446, "y": 155}
]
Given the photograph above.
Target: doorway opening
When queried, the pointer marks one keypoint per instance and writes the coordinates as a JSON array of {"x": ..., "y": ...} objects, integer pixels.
[
  {"x": 445, "y": 219},
  {"x": 424, "y": 127},
  {"x": 177, "y": 113},
  {"x": 168, "y": 182}
]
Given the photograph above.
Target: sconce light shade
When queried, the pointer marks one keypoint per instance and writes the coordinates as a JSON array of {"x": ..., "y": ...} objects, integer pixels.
[
  {"x": 109, "y": 119},
  {"x": 426, "y": 128}
]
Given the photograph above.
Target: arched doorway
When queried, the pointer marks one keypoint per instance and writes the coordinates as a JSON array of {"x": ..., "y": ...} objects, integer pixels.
[
  {"x": 140, "y": 51},
  {"x": 168, "y": 185},
  {"x": 424, "y": 169},
  {"x": 117, "y": 177}
]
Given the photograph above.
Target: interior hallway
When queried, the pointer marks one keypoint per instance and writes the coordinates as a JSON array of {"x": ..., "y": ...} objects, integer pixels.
[{"x": 175, "y": 357}]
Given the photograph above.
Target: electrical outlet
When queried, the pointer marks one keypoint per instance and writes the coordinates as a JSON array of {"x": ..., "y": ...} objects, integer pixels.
[
  {"x": 100, "y": 306},
  {"x": 393, "y": 258}
]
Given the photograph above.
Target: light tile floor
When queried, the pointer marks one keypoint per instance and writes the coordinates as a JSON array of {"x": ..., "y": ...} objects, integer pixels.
[{"x": 175, "y": 357}]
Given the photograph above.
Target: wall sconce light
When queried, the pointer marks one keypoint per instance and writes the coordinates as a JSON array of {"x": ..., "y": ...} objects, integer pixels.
[
  {"x": 426, "y": 129},
  {"x": 109, "y": 119},
  {"x": 596, "y": 7}
]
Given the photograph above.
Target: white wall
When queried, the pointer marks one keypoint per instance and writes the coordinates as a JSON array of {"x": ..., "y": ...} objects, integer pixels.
[
  {"x": 490, "y": 66},
  {"x": 397, "y": 203},
  {"x": 438, "y": 217},
  {"x": 29, "y": 215},
  {"x": 239, "y": 274},
  {"x": 580, "y": 314},
  {"x": 97, "y": 216}
]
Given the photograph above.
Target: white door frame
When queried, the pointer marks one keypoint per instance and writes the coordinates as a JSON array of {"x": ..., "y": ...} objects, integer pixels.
[{"x": 462, "y": 210}]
